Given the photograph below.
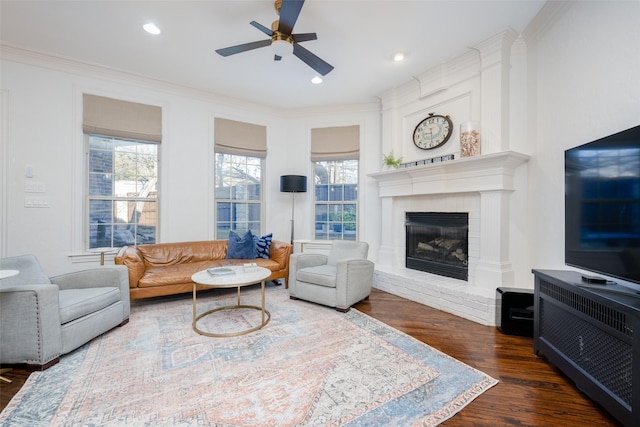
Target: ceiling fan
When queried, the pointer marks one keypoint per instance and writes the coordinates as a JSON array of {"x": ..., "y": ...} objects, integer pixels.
[{"x": 283, "y": 41}]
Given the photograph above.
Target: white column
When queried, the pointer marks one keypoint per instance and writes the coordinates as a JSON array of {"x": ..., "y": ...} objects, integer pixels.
[
  {"x": 386, "y": 252},
  {"x": 494, "y": 266},
  {"x": 495, "y": 56}
]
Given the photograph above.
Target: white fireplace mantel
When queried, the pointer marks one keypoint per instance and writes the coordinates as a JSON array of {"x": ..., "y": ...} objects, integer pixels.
[
  {"x": 491, "y": 176},
  {"x": 489, "y": 172}
]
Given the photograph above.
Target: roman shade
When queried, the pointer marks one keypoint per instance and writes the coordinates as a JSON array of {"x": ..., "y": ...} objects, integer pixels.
[
  {"x": 121, "y": 119},
  {"x": 335, "y": 143},
  {"x": 239, "y": 138}
]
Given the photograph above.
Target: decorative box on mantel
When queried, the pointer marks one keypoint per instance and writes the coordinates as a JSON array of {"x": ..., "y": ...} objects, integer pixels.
[{"x": 488, "y": 178}]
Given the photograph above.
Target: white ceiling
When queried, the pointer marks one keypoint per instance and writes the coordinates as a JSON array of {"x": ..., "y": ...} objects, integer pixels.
[{"x": 357, "y": 37}]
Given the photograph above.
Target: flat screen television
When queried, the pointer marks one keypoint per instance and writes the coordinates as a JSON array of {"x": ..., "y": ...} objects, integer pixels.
[{"x": 602, "y": 206}]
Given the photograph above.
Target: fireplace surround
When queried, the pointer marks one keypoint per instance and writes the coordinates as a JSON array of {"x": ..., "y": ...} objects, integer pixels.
[{"x": 483, "y": 187}]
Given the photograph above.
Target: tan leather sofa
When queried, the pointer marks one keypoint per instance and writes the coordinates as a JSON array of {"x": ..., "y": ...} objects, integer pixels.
[{"x": 166, "y": 268}]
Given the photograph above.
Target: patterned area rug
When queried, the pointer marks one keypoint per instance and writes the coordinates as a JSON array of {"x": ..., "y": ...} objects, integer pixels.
[{"x": 310, "y": 366}]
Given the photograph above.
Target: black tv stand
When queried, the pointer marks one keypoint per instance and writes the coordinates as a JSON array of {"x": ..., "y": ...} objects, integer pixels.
[{"x": 591, "y": 332}]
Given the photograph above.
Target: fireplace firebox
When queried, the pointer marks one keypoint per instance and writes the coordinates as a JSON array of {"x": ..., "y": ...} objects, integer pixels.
[{"x": 438, "y": 243}]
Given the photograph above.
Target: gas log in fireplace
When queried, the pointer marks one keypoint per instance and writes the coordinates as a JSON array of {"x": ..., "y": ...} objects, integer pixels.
[{"x": 437, "y": 242}]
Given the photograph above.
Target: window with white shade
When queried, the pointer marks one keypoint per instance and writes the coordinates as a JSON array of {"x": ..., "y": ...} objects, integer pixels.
[
  {"x": 335, "y": 153},
  {"x": 240, "y": 149},
  {"x": 122, "y": 141}
]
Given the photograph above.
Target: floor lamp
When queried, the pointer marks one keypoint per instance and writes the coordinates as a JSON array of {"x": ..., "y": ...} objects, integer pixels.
[{"x": 293, "y": 184}]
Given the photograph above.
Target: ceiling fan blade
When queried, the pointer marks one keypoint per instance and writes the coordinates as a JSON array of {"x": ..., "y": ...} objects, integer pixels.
[
  {"x": 322, "y": 67},
  {"x": 232, "y": 50},
  {"x": 262, "y": 28},
  {"x": 304, "y": 37},
  {"x": 289, "y": 12}
]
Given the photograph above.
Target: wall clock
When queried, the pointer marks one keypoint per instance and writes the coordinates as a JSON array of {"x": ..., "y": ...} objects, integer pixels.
[{"x": 432, "y": 132}]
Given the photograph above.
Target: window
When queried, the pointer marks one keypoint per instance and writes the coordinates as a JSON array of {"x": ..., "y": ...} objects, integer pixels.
[
  {"x": 238, "y": 194},
  {"x": 122, "y": 196},
  {"x": 336, "y": 199}
]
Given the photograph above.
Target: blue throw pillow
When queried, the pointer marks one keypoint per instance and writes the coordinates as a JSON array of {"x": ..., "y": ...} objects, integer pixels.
[
  {"x": 241, "y": 247},
  {"x": 262, "y": 245}
]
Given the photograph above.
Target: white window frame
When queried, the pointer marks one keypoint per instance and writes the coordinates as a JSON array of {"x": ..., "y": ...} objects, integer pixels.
[
  {"x": 335, "y": 229},
  {"x": 248, "y": 223},
  {"x": 133, "y": 230}
]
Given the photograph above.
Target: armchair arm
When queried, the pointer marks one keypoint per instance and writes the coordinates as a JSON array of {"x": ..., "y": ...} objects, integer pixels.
[
  {"x": 302, "y": 260},
  {"x": 299, "y": 261},
  {"x": 116, "y": 275},
  {"x": 354, "y": 279},
  {"x": 29, "y": 324}
]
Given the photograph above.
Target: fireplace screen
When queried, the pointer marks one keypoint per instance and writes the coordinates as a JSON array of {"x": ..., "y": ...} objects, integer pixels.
[{"x": 437, "y": 242}]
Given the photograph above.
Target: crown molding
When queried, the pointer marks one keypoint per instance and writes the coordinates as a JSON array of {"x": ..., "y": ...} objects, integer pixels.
[
  {"x": 72, "y": 66},
  {"x": 546, "y": 18}
]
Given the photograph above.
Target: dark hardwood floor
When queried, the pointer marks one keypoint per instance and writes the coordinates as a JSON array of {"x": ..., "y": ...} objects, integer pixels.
[{"x": 530, "y": 392}]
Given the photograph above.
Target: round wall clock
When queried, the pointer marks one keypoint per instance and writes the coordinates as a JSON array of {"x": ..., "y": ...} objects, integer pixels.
[{"x": 432, "y": 132}]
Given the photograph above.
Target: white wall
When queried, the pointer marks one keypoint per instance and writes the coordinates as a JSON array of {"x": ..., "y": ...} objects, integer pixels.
[
  {"x": 43, "y": 117},
  {"x": 585, "y": 85}
]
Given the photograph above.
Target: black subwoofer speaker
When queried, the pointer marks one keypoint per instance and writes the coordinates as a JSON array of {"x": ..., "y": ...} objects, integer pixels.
[{"x": 514, "y": 311}]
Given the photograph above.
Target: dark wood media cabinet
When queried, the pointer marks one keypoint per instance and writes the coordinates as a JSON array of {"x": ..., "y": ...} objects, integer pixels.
[{"x": 592, "y": 334}]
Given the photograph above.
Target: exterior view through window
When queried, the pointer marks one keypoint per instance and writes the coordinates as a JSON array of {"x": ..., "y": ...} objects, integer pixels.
[
  {"x": 122, "y": 195},
  {"x": 336, "y": 200},
  {"x": 238, "y": 194}
]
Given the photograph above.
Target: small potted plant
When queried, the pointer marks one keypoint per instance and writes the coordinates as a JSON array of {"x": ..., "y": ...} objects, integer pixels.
[{"x": 391, "y": 161}]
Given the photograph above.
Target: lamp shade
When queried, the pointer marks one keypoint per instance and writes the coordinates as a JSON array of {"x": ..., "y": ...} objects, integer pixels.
[{"x": 293, "y": 184}]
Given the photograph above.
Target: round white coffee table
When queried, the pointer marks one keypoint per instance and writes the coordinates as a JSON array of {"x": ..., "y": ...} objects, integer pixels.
[
  {"x": 241, "y": 277},
  {"x": 8, "y": 273}
]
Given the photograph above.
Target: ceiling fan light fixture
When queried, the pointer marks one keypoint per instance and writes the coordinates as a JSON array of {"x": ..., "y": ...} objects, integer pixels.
[
  {"x": 151, "y": 28},
  {"x": 282, "y": 47},
  {"x": 316, "y": 80}
]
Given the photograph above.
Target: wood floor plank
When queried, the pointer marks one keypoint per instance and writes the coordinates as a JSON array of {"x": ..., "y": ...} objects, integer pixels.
[{"x": 530, "y": 392}]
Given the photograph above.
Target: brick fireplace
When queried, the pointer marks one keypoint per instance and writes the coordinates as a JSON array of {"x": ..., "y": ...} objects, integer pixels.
[{"x": 479, "y": 187}]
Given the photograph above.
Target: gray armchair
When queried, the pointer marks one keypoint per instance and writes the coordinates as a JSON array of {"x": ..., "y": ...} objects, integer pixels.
[
  {"x": 43, "y": 318},
  {"x": 340, "y": 279}
]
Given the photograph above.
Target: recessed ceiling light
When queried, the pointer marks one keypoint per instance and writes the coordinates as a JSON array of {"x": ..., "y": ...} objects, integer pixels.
[
  {"x": 398, "y": 57},
  {"x": 316, "y": 80},
  {"x": 151, "y": 28}
]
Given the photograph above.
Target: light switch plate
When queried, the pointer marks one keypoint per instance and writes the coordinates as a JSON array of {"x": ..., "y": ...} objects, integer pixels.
[
  {"x": 36, "y": 202},
  {"x": 34, "y": 187}
]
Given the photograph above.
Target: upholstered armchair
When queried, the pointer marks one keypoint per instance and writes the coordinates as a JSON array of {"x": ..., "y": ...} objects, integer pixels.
[
  {"x": 340, "y": 279},
  {"x": 42, "y": 318}
]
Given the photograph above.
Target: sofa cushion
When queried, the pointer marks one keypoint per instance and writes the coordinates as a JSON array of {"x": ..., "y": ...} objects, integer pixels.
[
  {"x": 162, "y": 254},
  {"x": 172, "y": 274},
  {"x": 181, "y": 273},
  {"x": 323, "y": 275},
  {"x": 76, "y": 303},
  {"x": 241, "y": 247},
  {"x": 262, "y": 245}
]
